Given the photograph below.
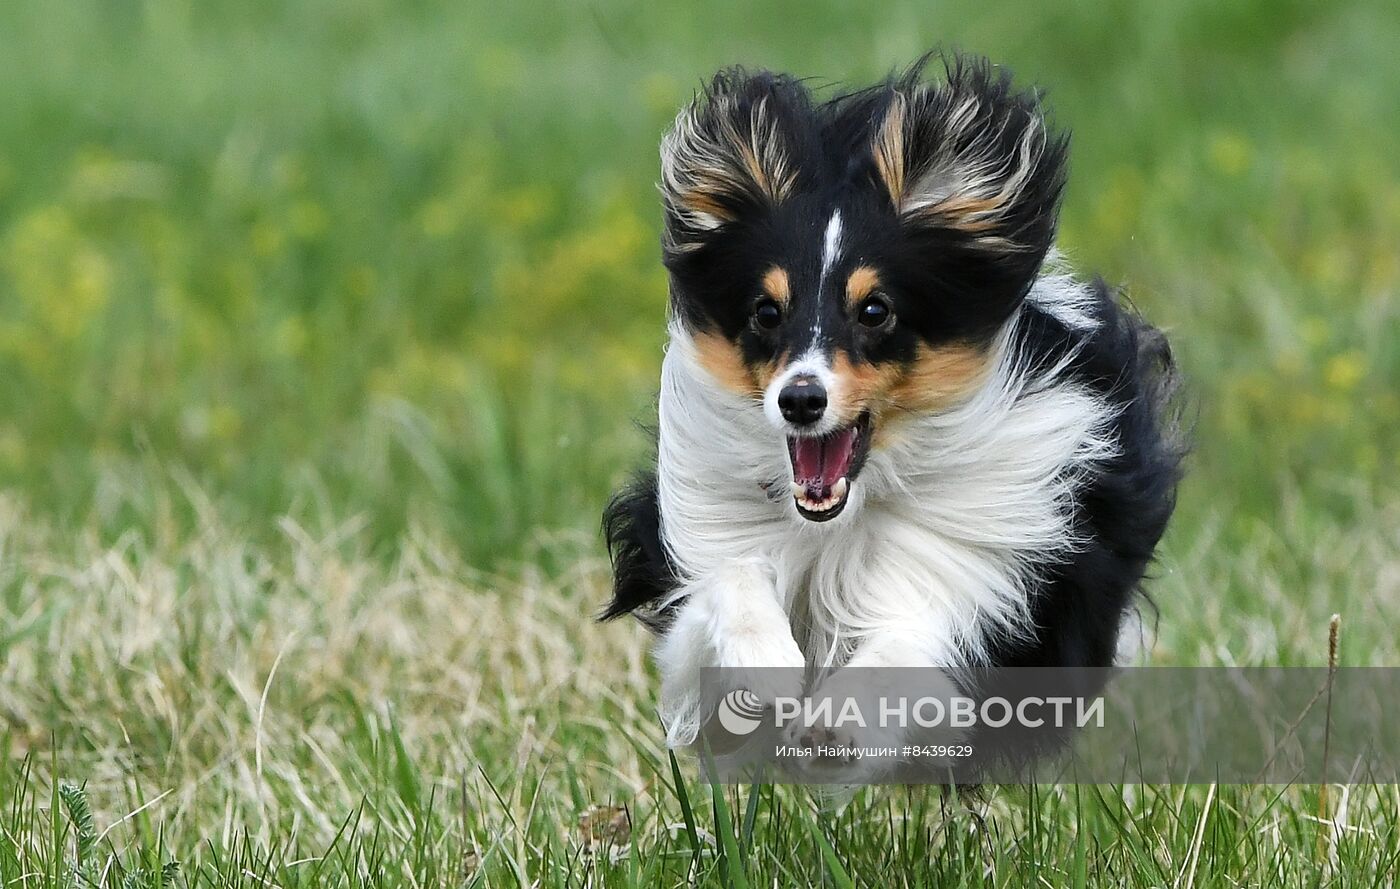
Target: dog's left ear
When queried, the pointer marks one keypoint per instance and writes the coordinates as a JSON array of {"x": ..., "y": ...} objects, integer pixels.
[{"x": 971, "y": 163}]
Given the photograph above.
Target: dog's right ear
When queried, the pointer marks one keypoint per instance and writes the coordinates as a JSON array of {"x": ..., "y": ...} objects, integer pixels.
[{"x": 731, "y": 152}]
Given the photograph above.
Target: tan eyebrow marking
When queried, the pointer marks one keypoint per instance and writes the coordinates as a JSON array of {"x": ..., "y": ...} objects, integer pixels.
[
  {"x": 775, "y": 285},
  {"x": 862, "y": 281}
]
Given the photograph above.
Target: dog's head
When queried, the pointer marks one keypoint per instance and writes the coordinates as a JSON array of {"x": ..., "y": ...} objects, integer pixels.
[{"x": 847, "y": 264}]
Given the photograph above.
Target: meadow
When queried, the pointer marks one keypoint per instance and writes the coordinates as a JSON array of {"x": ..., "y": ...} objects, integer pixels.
[{"x": 326, "y": 328}]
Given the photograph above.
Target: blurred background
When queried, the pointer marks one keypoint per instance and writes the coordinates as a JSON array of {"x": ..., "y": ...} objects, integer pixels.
[
  {"x": 400, "y": 259},
  {"x": 327, "y": 327}
]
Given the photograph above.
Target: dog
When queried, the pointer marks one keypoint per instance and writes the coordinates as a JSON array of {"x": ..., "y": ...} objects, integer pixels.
[{"x": 893, "y": 429}]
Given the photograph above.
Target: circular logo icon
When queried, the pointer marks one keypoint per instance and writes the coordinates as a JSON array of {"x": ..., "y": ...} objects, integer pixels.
[{"x": 740, "y": 711}]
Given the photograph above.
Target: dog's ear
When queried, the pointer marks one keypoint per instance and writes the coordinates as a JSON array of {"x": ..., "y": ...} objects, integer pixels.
[
  {"x": 731, "y": 152},
  {"x": 971, "y": 161}
]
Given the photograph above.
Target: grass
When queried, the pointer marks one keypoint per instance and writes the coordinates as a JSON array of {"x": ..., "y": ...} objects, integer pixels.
[
  {"x": 323, "y": 332},
  {"x": 315, "y": 714}
]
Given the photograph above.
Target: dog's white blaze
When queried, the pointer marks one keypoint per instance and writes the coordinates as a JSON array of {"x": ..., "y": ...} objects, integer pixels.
[
  {"x": 934, "y": 548},
  {"x": 831, "y": 250},
  {"x": 812, "y": 362},
  {"x": 831, "y": 243}
]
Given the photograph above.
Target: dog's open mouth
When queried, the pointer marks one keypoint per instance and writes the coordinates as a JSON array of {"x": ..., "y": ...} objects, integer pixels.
[{"x": 824, "y": 467}]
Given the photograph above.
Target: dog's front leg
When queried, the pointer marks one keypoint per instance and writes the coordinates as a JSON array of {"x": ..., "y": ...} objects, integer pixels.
[
  {"x": 731, "y": 619},
  {"x": 884, "y": 668}
]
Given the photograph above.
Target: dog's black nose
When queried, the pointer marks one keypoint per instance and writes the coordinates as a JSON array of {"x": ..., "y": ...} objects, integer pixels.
[{"x": 802, "y": 401}]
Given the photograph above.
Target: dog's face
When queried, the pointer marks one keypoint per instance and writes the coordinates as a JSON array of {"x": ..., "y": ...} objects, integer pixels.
[{"x": 845, "y": 265}]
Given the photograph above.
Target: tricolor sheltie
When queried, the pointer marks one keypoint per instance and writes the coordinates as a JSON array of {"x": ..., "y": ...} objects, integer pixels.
[{"x": 894, "y": 430}]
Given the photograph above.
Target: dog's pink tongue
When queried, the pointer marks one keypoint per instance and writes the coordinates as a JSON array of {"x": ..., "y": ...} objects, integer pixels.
[
  {"x": 821, "y": 462},
  {"x": 807, "y": 461}
]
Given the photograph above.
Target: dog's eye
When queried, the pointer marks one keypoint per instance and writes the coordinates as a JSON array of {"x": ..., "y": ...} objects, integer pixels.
[
  {"x": 767, "y": 313},
  {"x": 874, "y": 312}
]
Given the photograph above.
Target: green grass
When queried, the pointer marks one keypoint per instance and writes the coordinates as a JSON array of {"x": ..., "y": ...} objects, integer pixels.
[{"x": 325, "y": 329}]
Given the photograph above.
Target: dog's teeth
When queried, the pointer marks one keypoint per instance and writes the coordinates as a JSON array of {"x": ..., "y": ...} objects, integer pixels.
[{"x": 836, "y": 495}]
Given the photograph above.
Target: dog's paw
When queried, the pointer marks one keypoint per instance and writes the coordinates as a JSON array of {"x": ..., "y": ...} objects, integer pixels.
[
  {"x": 838, "y": 736},
  {"x": 769, "y": 665},
  {"x": 848, "y": 731},
  {"x": 842, "y": 754},
  {"x": 748, "y": 670}
]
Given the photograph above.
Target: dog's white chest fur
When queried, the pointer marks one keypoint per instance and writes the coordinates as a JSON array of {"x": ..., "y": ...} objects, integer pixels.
[{"x": 946, "y": 522}]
